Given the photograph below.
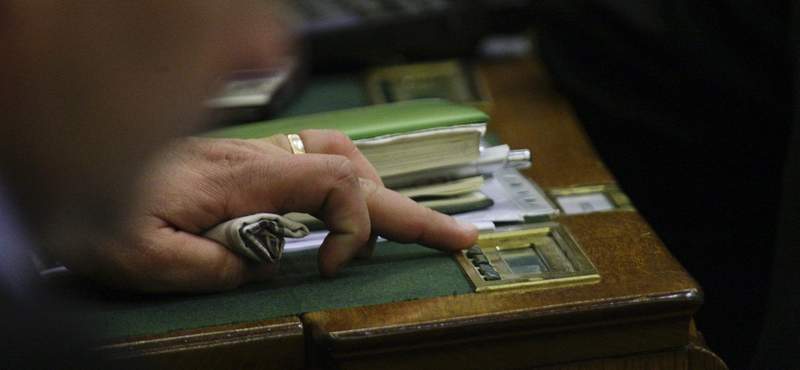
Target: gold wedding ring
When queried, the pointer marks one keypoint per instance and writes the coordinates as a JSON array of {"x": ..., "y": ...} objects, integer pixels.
[{"x": 296, "y": 143}]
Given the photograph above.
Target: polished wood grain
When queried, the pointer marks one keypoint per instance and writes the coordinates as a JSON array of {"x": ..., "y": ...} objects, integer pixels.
[
  {"x": 643, "y": 303},
  {"x": 693, "y": 356},
  {"x": 527, "y": 113},
  {"x": 270, "y": 344}
]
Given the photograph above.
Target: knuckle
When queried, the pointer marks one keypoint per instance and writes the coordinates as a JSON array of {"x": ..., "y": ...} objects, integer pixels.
[
  {"x": 369, "y": 188},
  {"x": 427, "y": 218},
  {"x": 342, "y": 169},
  {"x": 228, "y": 152},
  {"x": 362, "y": 239},
  {"x": 338, "y": 142},
  {"x": 217, "y": 149}
]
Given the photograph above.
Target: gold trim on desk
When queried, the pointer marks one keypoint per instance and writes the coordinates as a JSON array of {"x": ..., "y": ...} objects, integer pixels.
[
  {"x": 610, "y": 194},
  {"x": 454, "y": 80},
  {"x": 526, "y": 255}
]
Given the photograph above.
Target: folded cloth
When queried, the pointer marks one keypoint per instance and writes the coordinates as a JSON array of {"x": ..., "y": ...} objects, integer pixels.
[{"x": 260, "y": 237}]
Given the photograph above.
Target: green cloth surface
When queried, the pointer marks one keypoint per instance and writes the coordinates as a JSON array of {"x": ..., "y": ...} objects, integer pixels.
[{"x": 395, "y": 272}]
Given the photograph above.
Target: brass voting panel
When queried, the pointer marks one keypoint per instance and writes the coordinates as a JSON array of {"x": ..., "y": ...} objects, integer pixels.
[{"x": 524, "y": 255}]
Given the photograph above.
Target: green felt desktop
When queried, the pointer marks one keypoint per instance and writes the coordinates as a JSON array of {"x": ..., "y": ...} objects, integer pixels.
[{"x": 395, "y": 272}]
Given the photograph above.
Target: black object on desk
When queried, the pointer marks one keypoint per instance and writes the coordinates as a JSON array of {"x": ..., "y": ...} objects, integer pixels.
[{"x": 345, "y": 34}]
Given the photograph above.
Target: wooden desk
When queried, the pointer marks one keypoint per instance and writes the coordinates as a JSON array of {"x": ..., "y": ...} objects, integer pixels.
[{"x": 639, "y": 314}]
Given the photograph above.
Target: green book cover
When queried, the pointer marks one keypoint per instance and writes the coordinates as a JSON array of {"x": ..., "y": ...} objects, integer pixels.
[{"x": 365, "y": 122}]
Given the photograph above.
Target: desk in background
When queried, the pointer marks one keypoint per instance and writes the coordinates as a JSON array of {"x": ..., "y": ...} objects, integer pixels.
[{"x": 638, "y": 315}]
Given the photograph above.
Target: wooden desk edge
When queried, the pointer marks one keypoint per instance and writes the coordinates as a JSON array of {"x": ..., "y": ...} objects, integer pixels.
[{"x": 276, "y": 343}]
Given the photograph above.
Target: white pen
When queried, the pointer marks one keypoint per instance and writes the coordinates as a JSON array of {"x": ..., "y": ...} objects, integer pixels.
[{"x": 491, "y": 159}]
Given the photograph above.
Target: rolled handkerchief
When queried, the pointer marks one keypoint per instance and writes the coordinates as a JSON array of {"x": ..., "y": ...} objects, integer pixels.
[{"x": 260, "y": 237}]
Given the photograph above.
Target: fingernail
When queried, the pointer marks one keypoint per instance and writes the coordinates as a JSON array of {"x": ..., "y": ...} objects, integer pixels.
[{"x": 466, "y": 226}]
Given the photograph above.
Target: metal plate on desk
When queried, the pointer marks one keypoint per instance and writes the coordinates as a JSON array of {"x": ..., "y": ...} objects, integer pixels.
[
  {"x": 532, "y": 254},
  {"x": 452, "y": 80},
  {"x": 590, "y": 198}
]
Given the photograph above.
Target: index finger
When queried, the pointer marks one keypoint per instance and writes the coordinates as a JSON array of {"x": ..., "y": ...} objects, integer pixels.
[{"x": 397, "y": 217}]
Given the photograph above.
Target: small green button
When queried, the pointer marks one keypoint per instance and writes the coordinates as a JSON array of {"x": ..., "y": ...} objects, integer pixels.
[
  {"x": 474, "y": 251},
  {"x": 479, "y": 260},
  {"x": 488, "y": 272}
]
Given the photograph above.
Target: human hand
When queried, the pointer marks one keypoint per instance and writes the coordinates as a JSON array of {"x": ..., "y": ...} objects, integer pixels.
[{"x": 199, "y": 183}]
